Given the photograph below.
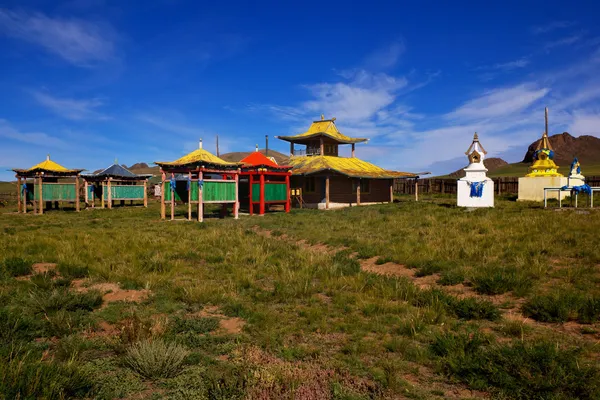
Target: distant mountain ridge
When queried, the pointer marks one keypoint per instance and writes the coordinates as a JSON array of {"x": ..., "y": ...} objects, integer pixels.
[
  {"x": 491, "y": 164},
  {"x": 566, "y": 147}
]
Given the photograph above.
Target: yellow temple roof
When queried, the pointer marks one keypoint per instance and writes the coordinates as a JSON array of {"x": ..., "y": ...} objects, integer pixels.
[
  {"x": 198, "y": 156},
  {"x": 352, "y": 167},
  {"x": 324, "y": 127},
  {"x": 49, "y": 166}
]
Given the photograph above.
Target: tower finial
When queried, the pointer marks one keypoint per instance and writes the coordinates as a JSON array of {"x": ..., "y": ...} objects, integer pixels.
[
  {"x": 322, "y": 117},
  {"x": 256, "y": 148},
  {"x": 116, "y": 161},
  {"x": 475, "y": 137},
  {"x": 48, "y": 157},
  {"x": 546, "y": 118},
  {"x": 200, "y": 144}
]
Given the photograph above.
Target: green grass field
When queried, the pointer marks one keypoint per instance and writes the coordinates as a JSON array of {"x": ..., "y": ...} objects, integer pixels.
[{"x": 401, "y": 301}]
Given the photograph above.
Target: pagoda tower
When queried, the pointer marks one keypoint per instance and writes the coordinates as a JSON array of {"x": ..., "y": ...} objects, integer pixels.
[
  {"x": 475, "y": 189},
  {"x": 543, "y": 173}
]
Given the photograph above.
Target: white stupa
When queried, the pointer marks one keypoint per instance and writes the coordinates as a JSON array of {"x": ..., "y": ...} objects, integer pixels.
[{"x": 475, "y": 189}]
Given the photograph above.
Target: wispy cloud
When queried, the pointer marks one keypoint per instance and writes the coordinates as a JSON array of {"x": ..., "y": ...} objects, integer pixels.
[
  {"x": 508, "y": 66},
  {"x": 7, "y": 131},
  {"x": 171, "y": 124},
  {"x": 73, "y": 109},
  {"x": 562, "y": 42},
  {"x": 386, "y": 57},
  {"x": 79, "y": 42},
  {"x": 552, "y": 26},
  {"x": 499, "y": 102}
]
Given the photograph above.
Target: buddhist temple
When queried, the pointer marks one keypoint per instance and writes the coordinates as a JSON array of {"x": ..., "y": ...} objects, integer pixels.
[
  {"x": 543, "y": 173},
  {"x": 263, "y": 183},
  {"x": 323, "y": 179},
  {"x": 115, "y": 183},
  {"x": 207, "y": 179},
  {"x": 475, "y": 189},
  {"x": 45, "y": 184}
]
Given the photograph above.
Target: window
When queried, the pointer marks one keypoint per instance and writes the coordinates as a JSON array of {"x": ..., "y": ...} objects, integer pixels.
[
  {"x": 310, "y": 185},
  {"x": 365, "y": 186}
]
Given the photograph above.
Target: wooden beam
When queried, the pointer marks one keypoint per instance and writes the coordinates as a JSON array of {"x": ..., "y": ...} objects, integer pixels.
[
  {"x": 250, "y": 205},
  {"x": 103, "y": 186},
  {"x": 110, "y": 193},
  {"x": 291, "y": 149},
  {"x": 322, "y": 147},
  {"x": 358, "y": 193},
  {"x": 18, "y": 194},
  {"x": 77, "y": 207},
  {"x": 190, "y": 193},
  {"x": 261, "y": 200},
  {"x": 353, "y": 150},
  {"x": 173, "y": 198},
  {"x": 145, "y": 193},
  {"x": 236, "y": 205},
  {"x": 162, "y": 195},
  {"x": 416, "y": 189},
  {"x": 200, "y": 200},
  {"x": 391, "y": 190},
  {"x": 41, "y": 205},
  {"x": 35, "y": 203},
  {"x": 327, "y": 192},
  {"x": 86, "y": 197},
  {"x": 25, "y": 196},
  {"x": 288, "y": 201}
]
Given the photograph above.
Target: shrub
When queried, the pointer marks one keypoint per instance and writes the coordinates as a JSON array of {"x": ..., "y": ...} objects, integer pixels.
[
  {"x": 494, "y": 280},
  {"x": 155, "y": 359},
  {"x": 16, "y": 266},
  {"x": 73, "y": 271},
  {"x": 563, "y": 306},
  {"x": 471, "y": 308},
  {"x": 23, "y": 377},
  {"x": 538, "y": 370},
  {"x": 451, "y": 277},
  {"x": 63, "y": 299},
  {"x": 195, "y": 325}
]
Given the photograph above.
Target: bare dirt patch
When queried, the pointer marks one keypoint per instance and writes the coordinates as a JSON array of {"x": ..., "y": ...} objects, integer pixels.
[
  {"x": 41, "y": 268},
  {"x": 111, "y": 292},
  {"x": 228, "y": 325}
]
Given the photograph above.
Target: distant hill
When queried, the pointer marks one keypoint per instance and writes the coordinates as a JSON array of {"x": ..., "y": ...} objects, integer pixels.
[
  {"x": 491, "y": 164},
  {"x": 237, "y": 156}
]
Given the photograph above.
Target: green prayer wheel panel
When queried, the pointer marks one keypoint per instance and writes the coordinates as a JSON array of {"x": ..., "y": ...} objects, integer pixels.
[
  {"x": 125, "y": 192},
  {"x": 56, "y": 192},
  {"x": 273, "y": 192},
  {"x": 211, "y": 191}
]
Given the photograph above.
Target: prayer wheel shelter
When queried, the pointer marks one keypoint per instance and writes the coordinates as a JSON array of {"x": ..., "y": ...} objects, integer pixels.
[
  {"x": 115, "y": 183},
  {"x": 199, "y": 178},
  {"x": 323, "y": 179},
  {"x": 45, "y": 184},
  {"x": 264, "y": 183}
]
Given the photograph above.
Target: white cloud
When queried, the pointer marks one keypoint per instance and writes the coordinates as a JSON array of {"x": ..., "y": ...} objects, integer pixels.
[
  {"x": 499, "y": 102},
  {"x": 79, "y": 42},
  {"x": 71, "y": 108},
  {"x": 585, "y": 123},
  {"x": 562, "y": 42},
  {"x": 386, "y": 57},
  {"x": 511, "y": 65},
  {"x": 552, "y": 26},
  {"x": 41, "y": 139}
]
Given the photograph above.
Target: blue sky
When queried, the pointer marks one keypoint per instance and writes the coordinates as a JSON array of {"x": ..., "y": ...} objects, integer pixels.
[{"x": 89, "y": 81}]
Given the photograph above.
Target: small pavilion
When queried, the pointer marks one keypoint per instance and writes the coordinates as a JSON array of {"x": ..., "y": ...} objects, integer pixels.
[
  {"x": 115, "y": 183},
  {"x": 47, "y": 182},
  {"x": 263, "y": 183},
  {"x": 321, "y": 178},
  {"x": 199, "y": 178}
]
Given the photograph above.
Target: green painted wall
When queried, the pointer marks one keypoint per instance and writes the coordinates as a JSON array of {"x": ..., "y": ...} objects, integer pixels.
[
  {"x": 125, "y": 192},
  {"x": 273, "y": 192},
  {"x": 56, "y": 192},
  {"x": 211, "y": 191}
]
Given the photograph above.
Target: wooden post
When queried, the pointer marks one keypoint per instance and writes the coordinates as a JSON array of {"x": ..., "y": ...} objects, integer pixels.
[
  {"x": 236, "y": 205},
  {"x": 200, "y": 201},
  {"x": 442, "y": 187},
  {"x": 145, "y": 193},
  {"x": 261, "y": 206},
  {"x": 287, "y": 189},
  {"x": 326, "y": 191},
  {"x": 35, "y": 203},
  {"x": 18, "y": 194},
  {"x": 499, "y": 186},
  {"x": 190, "y": 195},
  {"x": 173, "y": 198},
  {"x": 353, "y": 150},
  {"x": 322, "y": 147},
  {"x": 162, "y": 195},
  {"x": 391, "y": 190},
  {"x": 41, "y": 205},
  {"x": 250, "y": 182},
  {"x": 103, "y": 186},
  {"x": 416, "y": 189},
  {"x": 77, "y": 193},
  {"x": 86, "y": 197},
  {"x": 25, "y": 196},
  {"x": 109, "y": 193},
  {"x": 291, "y": 149},
  {"x": 358, "y": 192}
]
